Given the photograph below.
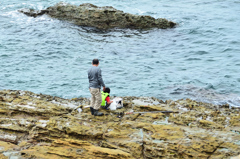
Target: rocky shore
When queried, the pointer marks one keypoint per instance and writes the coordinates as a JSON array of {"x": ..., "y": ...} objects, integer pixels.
[
  {"x": 43, "y": 126},
  {"x": 105, "y": 17}
]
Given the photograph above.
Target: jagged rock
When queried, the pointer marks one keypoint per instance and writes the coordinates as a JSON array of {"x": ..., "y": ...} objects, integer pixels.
[
  {"x": 235, "y": 121},
  {"x": 236, "y": 157},
  {"x": 32, "y": 12},
  {"x": 69, "y": 148},
  {"x": 43, "y": 126},
  {"x": 100, "y": 17}
]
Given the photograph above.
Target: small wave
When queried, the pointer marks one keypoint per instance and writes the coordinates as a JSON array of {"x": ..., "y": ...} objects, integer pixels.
[
  {"x": 227, "y": 50},
  {"x": 235, "y": 42},
  {"x": 201, "y": 52},
  {"x": 140, "y": 11},
  {"x": 4, "y": 56},
  {"x": 174, "y": 93},
  {"x": 149, "y": 67},
  {"x": 210, "y": 86},
  {"x": 210, "y": 60},
  {"x": 227, "y": 76},
  {"x": 193, "y": 31},
  {"x": 193, "y": 59}
]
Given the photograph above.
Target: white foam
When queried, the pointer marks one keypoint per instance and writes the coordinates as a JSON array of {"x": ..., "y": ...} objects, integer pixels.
[{"x": 140, "y": 11}]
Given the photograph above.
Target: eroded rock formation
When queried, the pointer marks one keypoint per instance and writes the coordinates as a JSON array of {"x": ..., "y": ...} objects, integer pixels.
[
  {"x": 100, "y": 17},
  {"x": 43, "y": 126}
]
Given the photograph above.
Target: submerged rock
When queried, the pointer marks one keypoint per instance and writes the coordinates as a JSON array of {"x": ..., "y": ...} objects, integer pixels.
[
  {"x": 100, "y": 17},
  {"x": 43, "y": 126}
]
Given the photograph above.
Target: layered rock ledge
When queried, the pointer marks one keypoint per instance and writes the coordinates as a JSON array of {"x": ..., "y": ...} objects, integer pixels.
[
  {"x": 100, "y": 17},
  {"x": 43, "y": 126}
]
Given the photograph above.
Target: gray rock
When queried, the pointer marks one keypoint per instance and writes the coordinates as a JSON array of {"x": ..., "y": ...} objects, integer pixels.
[{"x": 105, "y": 17}]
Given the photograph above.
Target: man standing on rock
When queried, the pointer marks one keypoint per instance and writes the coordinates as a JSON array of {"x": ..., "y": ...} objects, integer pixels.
[{"x": 95, "y": 83}]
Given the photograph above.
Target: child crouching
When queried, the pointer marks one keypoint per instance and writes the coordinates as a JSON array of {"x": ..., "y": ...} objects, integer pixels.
[{"x": 106, "y": 98}]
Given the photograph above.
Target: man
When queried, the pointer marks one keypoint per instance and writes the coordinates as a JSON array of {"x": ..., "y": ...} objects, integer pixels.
[{"x": 95, "y": 83}]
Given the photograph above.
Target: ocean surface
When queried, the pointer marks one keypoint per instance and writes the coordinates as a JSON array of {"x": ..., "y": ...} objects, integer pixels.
[{"x": 199, "y": 59}]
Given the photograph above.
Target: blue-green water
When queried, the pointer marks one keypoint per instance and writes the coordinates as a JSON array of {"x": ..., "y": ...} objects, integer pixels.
[{"x": 199, "y": 59}]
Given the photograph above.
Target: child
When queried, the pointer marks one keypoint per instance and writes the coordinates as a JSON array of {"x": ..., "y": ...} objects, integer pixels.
[{"x": 106, "y": 98}]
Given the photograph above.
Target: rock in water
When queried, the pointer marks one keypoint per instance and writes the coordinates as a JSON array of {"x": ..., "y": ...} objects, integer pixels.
[{"x": 105, "y": 17}]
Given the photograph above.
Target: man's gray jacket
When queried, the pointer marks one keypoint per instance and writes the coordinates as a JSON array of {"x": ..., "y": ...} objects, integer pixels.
[{"x": 95, "y": 77}]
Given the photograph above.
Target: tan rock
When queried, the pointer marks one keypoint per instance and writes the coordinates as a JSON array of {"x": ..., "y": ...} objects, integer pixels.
[
  {"x": 73, "y": 149},
  {"x": 235, "y": 121},
  {"x": 6, "y": 146},
  {"x": 42, "y": 126},
  {"x": 236, "y": 157},
  {"x": 210, "y": 124}
]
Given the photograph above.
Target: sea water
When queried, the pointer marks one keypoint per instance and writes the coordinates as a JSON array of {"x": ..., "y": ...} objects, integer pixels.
[{"x": 198, "y": 59}]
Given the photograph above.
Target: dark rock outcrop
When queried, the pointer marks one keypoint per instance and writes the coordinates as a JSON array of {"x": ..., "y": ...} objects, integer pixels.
[{"x": 100, "y": 17}]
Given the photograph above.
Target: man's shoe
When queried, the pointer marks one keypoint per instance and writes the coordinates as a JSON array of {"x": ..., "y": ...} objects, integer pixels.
[
  {"x": 96, "y": 113},
  {"x": 92, "y": 110}
]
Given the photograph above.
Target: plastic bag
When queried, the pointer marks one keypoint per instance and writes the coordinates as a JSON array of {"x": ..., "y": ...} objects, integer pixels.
[
  {"x": 116, "y": 104},
  {"x": 113, "y": 106}
]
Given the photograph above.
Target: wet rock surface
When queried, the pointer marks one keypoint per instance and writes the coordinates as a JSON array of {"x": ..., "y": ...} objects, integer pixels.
[
  {"x": 43, "y": 126},
  {"x": 105, "y": 17}
]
